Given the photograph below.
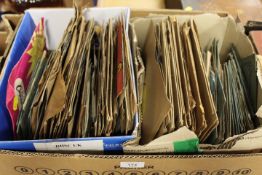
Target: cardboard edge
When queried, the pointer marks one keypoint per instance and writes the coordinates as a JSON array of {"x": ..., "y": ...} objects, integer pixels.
[
  {"x": 155, "y": 4},
  {"x": 135, "y": 12},
  {"x": 151, "y": 156},
  {"x": 11, "y": 22}
]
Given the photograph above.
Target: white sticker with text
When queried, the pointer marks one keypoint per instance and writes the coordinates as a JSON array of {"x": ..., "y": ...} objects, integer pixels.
[
  {"x": 90, "y": 145},
  {"x": 132, "y": 164}
]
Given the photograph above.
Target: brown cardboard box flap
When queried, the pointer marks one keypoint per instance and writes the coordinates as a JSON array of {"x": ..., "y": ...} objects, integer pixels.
[
  {"x": 167, "y": 143},
  {"x": 148, "y": 4},
  {"x": 3, "y": 38},
  {"x": 247, "y": 142},
  {"x": 17, "y": 163},
  {"x": 11, "y": 21},
  {"x": 209, "y": 26}
]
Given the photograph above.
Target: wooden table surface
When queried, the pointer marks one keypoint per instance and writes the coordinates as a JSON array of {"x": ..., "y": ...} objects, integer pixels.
[{"x": 246, "y": 9}]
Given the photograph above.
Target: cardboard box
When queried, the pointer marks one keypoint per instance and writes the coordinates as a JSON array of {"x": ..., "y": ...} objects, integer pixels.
[
  {"x": 148, "y": 4},
  {"x": 209, "y": 26},
  {"x": 56, "y": 22},
  {"x": 18, "y": 163},
  {"x": 3, "y": 37},
  {"x": 145, "y": 4},
  {"x": 10, "y": 22}
]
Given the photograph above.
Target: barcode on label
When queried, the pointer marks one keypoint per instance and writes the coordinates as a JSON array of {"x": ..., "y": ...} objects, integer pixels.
[{"x": 132, "y": 164}]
